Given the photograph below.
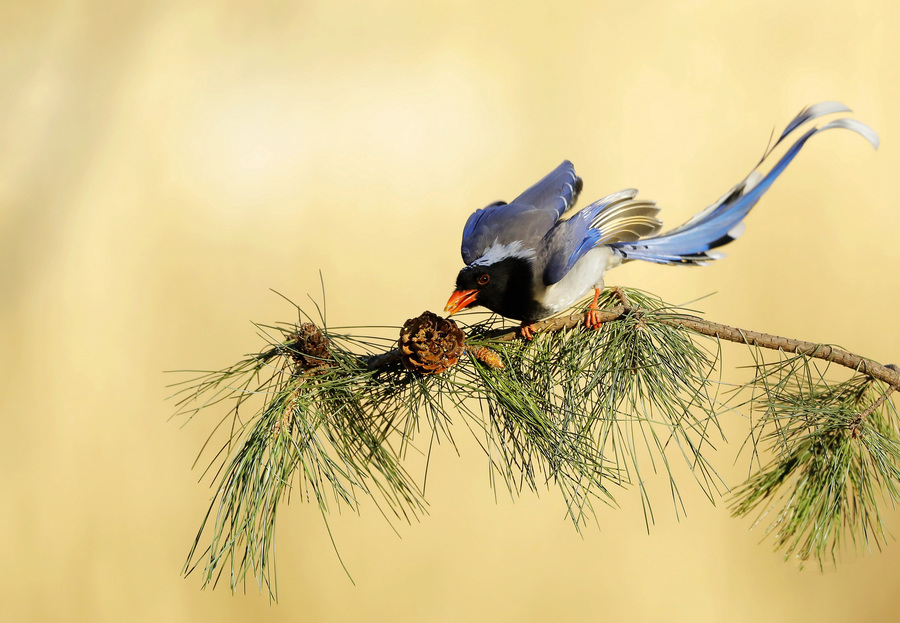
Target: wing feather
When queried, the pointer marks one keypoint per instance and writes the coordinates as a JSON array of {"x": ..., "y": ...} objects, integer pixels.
[{"x": 527, "y": 219}]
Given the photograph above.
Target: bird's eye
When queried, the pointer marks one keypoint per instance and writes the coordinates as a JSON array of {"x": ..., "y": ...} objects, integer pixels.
[{"x": 483, "y": 279}]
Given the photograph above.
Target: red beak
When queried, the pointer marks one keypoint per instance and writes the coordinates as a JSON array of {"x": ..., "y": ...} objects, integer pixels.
[{"x": 459, "y": 300}]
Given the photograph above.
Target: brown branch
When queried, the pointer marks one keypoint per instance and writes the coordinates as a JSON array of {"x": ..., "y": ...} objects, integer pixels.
[
  {"x": 551, "y": 325},
  {"x": 859, "y": 419},
  {"x": 377, "y": 361},
  {"x": 889, "y": 374}
]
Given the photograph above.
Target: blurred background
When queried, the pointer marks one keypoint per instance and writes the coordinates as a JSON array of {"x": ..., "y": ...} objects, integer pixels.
[{"x": 164, "y": 164}]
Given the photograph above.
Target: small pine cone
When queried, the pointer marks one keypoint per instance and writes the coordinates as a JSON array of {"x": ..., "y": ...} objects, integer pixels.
[
  {"x": 308, "y": 346},
  {"x": 430, "y": 344},
  {"x": 488, "y": 357}
]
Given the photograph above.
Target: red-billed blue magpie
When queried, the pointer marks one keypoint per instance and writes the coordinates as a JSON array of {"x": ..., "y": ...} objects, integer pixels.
[{"x": 523, "y": 261}]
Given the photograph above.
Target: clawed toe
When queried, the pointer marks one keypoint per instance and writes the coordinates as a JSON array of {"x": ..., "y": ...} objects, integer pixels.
[
  {"x": 527, "y": 331},
  {"x": 592, "y": 319}
]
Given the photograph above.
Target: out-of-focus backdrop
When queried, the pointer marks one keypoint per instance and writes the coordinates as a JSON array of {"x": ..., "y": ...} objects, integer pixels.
[{"x": 164, "y": 164}]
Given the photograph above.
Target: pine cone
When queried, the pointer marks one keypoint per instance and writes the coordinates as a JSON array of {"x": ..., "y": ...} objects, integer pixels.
[
  {"x": 309, "y": 347},
  {"x": 488, "y": 357},
  {"x": 430, "y": 344}
]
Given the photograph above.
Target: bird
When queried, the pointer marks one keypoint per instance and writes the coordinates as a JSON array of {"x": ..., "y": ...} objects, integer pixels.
[{"x": 526, "y": 261}]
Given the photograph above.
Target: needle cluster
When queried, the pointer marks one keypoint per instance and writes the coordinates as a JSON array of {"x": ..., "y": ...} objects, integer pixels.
[
  {"x": 834, "y": 459},
  {"x": 330, "y": 417}
]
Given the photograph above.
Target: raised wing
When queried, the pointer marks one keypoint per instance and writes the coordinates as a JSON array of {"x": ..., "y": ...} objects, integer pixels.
[
  {"x": 557, "y": 191},
  {"x": 615, "y": 218},
  {"x": 527, "y": 219}
]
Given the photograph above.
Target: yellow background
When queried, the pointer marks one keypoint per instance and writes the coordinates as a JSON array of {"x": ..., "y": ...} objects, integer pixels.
[{"x": 163, "y": 164}]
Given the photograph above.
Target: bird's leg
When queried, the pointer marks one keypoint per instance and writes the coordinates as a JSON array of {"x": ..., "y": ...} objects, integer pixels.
[
  {"x": 526, "y": 330},
  {"x": 592, "y": 316}
]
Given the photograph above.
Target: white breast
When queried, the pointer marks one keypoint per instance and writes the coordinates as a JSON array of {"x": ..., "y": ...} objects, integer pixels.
[{"x": 586, "y": 275}]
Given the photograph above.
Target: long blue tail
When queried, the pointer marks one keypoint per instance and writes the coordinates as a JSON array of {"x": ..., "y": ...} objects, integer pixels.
[{"x": 721, "y": 222}]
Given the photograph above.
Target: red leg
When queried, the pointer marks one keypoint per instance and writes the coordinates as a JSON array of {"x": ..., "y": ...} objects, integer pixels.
[{"x": 592, "y": 316}]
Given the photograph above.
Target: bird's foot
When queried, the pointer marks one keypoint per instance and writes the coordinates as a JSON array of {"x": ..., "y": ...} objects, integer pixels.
[
  {"x": 592, "y": 317},
  {"x": 526, "y": 331}
]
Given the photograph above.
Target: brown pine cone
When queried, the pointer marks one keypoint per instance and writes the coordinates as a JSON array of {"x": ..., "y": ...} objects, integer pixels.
[
  {"x": 487, "y": 356},
  {"x": 430, "y": 344},
  {"x": 308, "y": 346}
]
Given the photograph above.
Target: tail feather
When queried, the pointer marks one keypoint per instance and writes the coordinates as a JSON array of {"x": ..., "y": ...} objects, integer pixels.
[
  {"x": 721, "y": 223},
  {"x": 807, "y": 114}
]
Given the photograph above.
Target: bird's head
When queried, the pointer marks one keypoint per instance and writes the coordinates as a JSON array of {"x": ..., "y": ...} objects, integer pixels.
[{"x": 504, "y": 286}]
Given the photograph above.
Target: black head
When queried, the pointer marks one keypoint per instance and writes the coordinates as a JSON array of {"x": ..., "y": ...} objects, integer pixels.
[{"x": 505, "y": 287}]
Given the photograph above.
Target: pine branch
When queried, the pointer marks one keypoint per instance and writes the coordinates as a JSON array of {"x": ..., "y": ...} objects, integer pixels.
[
  {"x": 333, "y": 418},
  {"x": 889, "y": 374}
]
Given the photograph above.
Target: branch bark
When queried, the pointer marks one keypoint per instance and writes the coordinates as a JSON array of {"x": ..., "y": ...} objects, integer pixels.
[{"x": 889, "y": 374}]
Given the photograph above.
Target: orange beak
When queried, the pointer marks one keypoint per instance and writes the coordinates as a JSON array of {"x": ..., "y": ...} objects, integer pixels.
[{"x": 459, "y": 300}]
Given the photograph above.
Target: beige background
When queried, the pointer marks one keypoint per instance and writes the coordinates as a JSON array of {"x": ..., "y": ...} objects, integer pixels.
[{"x": 163, "y": 164}]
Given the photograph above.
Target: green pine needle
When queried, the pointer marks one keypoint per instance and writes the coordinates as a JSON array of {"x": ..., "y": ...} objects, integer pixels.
[
  {"x": 836, "y": 461},
  {"x": 585, "y": 412}
]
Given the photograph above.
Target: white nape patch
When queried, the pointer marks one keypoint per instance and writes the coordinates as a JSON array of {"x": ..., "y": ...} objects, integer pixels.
[{"x": 498, "y": 252}]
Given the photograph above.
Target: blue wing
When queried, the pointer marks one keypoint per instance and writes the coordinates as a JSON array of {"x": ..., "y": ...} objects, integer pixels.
[
  {"x": 527, "y": 219},
  {"x": 617, "y": 217}
]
